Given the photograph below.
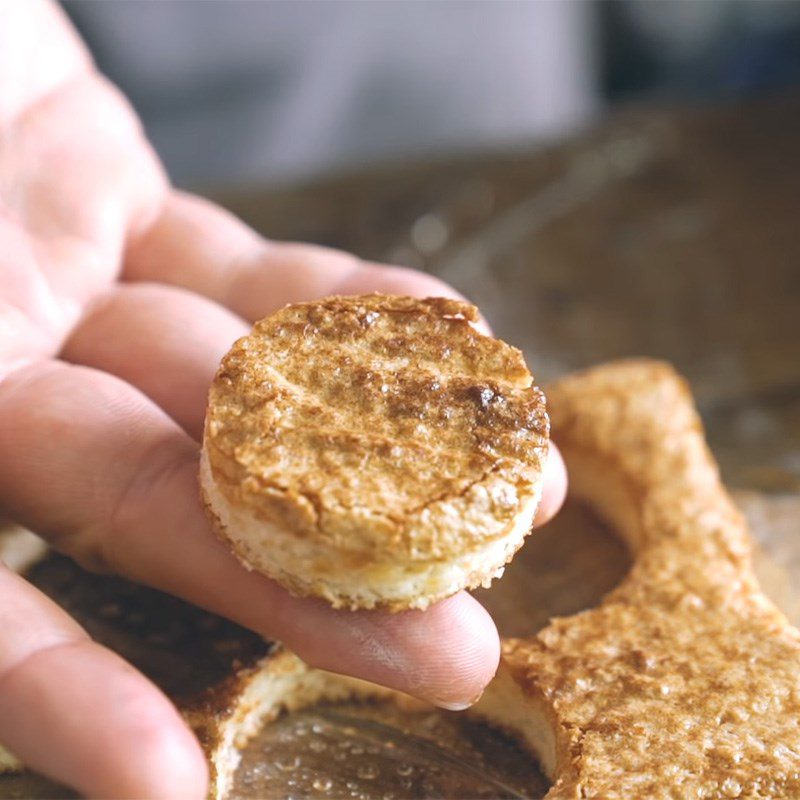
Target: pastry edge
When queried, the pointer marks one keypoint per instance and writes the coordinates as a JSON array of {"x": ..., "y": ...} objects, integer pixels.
[{"x": 289, "y": 560}]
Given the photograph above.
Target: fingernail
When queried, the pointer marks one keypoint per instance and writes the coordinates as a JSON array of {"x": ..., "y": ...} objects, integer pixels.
[
  {"x": 447, "y": 706},
  {"x": 453, "y": 706}
]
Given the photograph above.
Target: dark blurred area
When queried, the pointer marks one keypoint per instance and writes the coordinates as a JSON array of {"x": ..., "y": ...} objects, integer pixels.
[
  {"x": 248, "y": 92},
  {"x": 698, "y": 49}
]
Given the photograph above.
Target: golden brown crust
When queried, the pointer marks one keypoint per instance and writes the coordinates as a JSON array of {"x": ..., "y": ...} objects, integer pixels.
[
  {"x": 685, "y": 681},
  {"x": 380, "y": 426}
]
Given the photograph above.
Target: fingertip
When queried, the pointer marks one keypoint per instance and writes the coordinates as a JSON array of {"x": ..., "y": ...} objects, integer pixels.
[
  {"x": 404, "y": 281},
  {"x": 162, "y": 759},
  {"x": 474, "y": 647},
  {"x": 390, "y": 279},
  {"x": 100, "y": 727},
  {"x": 555, "y": 487},
  {"x": 168, "y": 762},
  {"x": 445, "y": 655}
]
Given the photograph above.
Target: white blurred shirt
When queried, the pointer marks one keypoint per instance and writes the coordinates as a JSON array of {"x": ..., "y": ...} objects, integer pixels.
[{"x": 236, "y": 92}]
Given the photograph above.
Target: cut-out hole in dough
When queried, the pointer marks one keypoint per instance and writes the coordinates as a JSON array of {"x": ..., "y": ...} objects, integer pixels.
[
  {"x": 566, "y": 567},
  {"x": 384, "y": 750}
]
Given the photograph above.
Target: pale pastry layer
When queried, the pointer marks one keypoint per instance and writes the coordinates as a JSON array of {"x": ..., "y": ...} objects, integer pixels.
[{"x": 317, "y": 569}]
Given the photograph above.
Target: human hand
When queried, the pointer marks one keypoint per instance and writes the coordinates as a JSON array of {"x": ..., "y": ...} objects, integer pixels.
[{"x": 118, "y": 296}]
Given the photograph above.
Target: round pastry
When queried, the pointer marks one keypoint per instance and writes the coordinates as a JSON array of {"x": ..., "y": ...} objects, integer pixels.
[{"x": 375, "y": 451}]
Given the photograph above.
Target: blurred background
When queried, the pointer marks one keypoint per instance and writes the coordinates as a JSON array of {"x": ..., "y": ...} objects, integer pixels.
[
  {"x": 603, "y": 179},
  {"x": 234, "y": 92}
]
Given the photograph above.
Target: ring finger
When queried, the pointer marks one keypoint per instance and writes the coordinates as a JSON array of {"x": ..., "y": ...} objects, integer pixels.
[{"x": 76, "y": 712}]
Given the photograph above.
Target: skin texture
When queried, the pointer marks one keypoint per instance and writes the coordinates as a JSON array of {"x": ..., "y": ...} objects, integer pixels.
[{"x": 118, "y": 296}]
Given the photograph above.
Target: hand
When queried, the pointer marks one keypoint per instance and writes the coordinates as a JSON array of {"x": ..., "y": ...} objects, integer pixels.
[{"x": 118, "y": 296}]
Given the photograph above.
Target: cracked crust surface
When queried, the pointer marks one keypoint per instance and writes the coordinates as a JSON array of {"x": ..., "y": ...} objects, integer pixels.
[
  {"x": 383, "y": 429},
  {"x": 685, "y": 681}
]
